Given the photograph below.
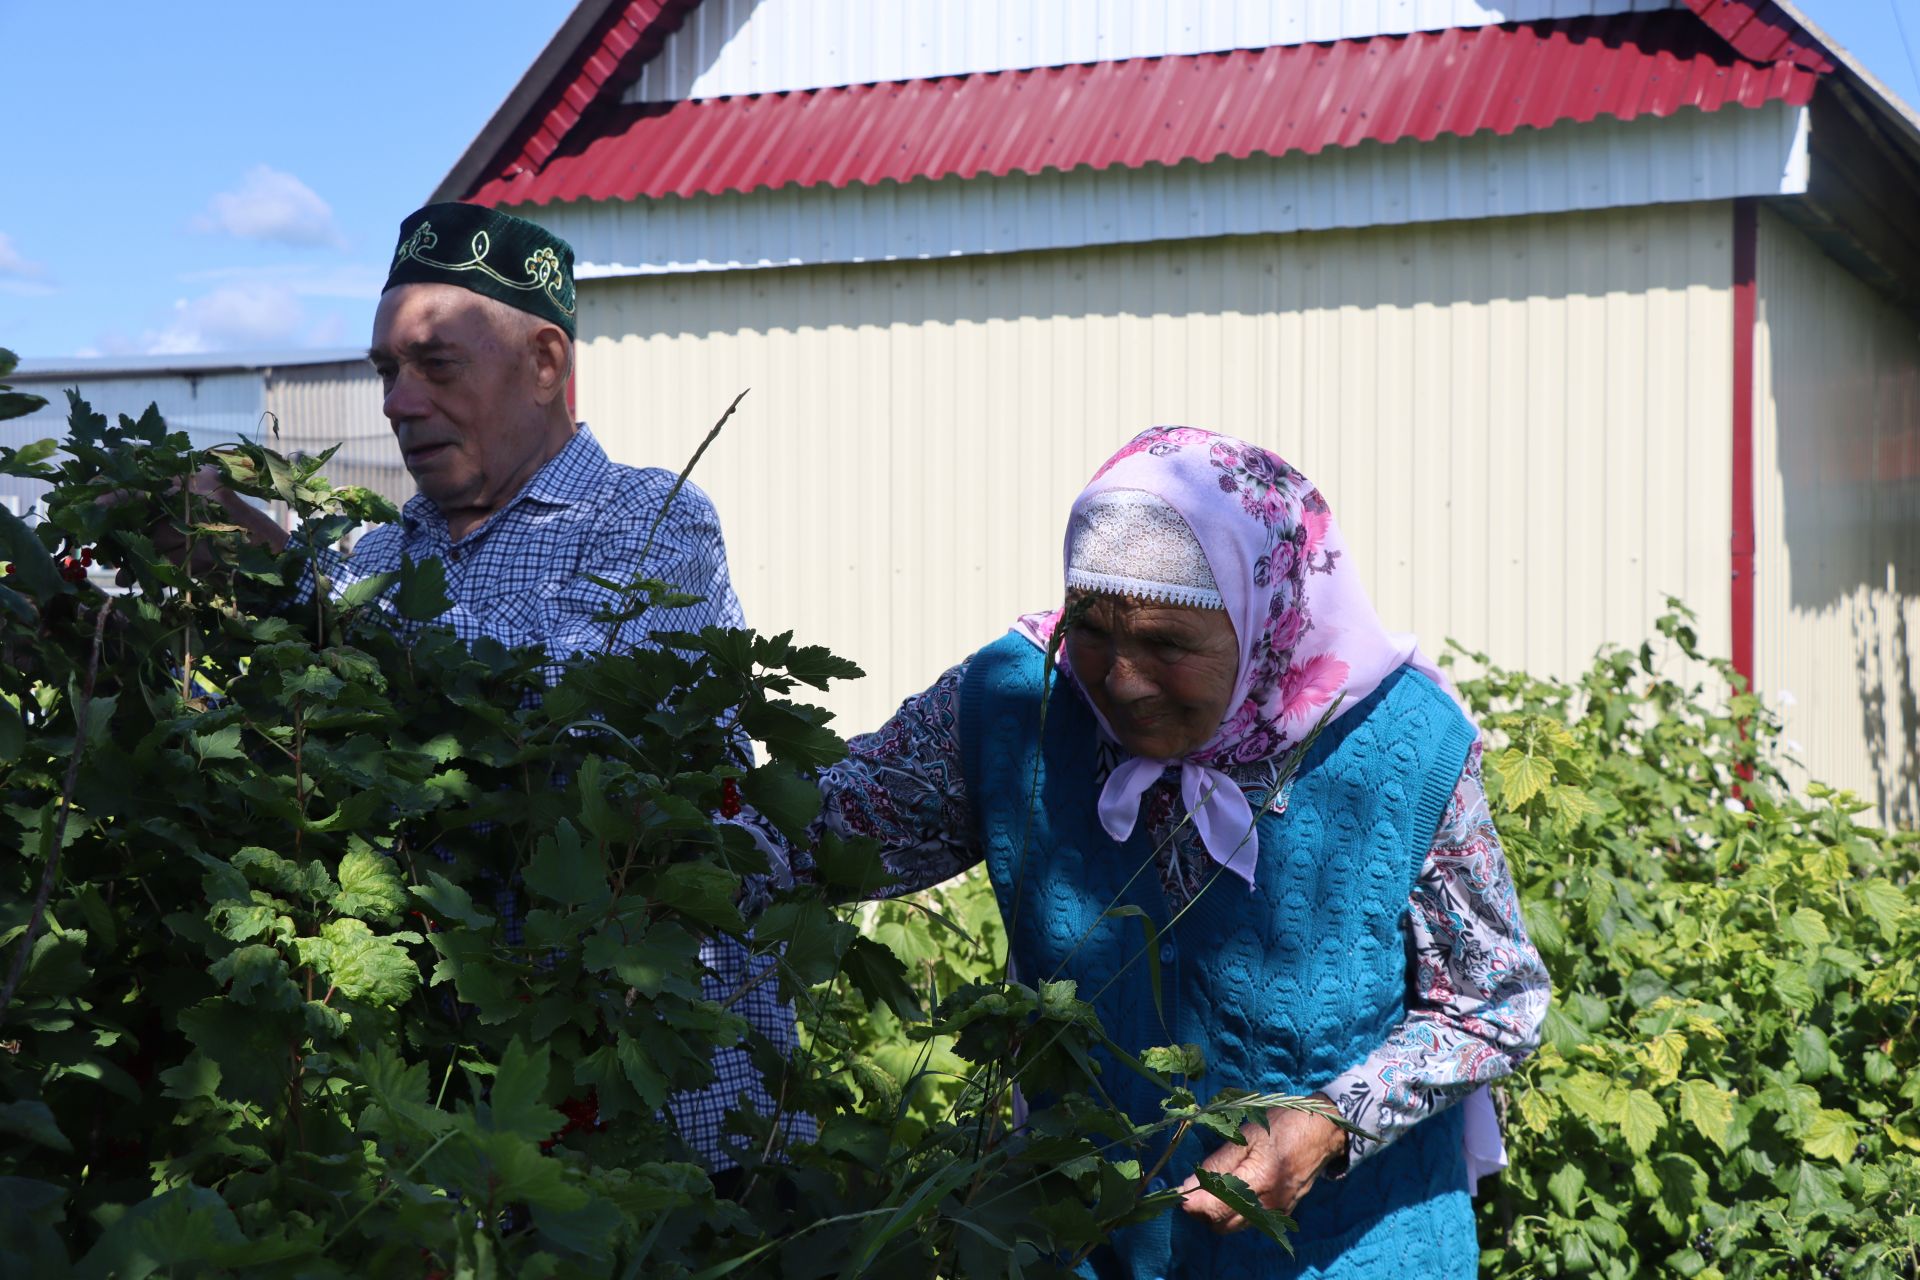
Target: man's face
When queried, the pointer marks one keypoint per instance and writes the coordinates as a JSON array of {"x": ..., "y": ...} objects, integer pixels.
[
  {"x": 461, "y": 394},
  {"x": 1161, "y": 674}
]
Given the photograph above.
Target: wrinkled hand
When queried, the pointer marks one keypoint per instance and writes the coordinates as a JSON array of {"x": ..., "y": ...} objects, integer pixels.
[
  {"x": 208, "y": 485},
  {"x": 1280, "y": 1162}
]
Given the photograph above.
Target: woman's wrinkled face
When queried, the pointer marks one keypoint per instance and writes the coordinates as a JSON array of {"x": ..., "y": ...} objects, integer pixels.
[{"x": 1161, "y": 674}]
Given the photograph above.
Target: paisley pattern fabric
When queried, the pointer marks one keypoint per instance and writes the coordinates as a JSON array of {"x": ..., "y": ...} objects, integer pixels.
[{"x": 1479, "y": 990}]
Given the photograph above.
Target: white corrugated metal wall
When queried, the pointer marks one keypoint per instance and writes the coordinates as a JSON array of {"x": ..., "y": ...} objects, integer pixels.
[
  {"x": 1523, "y": 425},
  {"x": 729, "y": 47},
  {"x": 1837, "y": 443},
  {"x": 1691, "y": 155}
]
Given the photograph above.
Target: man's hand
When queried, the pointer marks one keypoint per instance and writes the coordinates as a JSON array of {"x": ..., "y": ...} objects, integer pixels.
[
  {"x": 206, "y": 488},
  {"x": 1280, "y": 1163}
]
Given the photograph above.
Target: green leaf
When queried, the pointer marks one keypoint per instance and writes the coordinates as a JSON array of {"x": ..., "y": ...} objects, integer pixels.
[
  {"x": 646, "y": 1079},
  {"x": 811, "y": 664},
  {"x": 879, "y": 976},
  {"x": 33, "y": 569},
  {"x": 783, "y": 797},
  {"x": 1885, "y": 903},
  {"x": 1831, "y": 1135},
  {"x": 36, "y": 451},
  {"x": 1806, "y": 927},
  {"x": 1680, "y": 1184},
  {"x": 33, "y": 1120},
  {"x": 259, "y": 978},
  {"x": 451, "y": 902},
  {"x": 370, "y": 968},
  {"x": 1175, "y": 1060},
  {"x": 663, "y": 959},
  {"x": 514, "y": 1102},
  {"x": 1811, "y": 1053},
  {"x": 219, "y": 744},
  {"x": 851, "y": 867},
  {"x": 1641, "y": 1120},
  {"x": 423, "y": 594},
  {"x": 369, "y": 887},
  {"x": 368, "y": 589},
  {"x": 793, "y": 733},
  {"x": 702, "y": 892},
  {"x": 564, "y": 871},
  {"x": 1522, "y": 776},
  {"x": 196, "y": 1077},
  {"x": 1708, "y": 1108},
  {"x": 1794, "y": 987},
  {"x": 1811, "y": 1189},
  {"x": 1566, "y": 1186},
  {"x": 1239, "y": 1197}
]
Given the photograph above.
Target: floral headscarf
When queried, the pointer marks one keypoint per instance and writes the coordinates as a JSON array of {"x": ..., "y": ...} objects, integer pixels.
[{"x": 1308, "y": 633}]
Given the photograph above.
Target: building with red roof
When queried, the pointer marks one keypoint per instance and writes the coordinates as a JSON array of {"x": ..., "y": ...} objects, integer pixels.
[{"x": 1569, "y": 306}]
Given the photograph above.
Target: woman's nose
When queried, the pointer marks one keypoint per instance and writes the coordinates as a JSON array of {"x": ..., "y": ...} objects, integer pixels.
[{"x": 1127, "y": 683}]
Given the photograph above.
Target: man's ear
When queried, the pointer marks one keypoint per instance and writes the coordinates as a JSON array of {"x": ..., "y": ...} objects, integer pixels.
[{"x": 552, "y": 363}]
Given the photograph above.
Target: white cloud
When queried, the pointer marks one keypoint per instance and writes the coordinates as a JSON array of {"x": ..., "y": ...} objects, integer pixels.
[
  {"x": 228, "y": 319},
  {"x": 273, "y": 206},
  {"x": 19, "y": 276}
]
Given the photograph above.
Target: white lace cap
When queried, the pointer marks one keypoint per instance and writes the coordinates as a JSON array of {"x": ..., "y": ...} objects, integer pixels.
[{"x": 1129, "y": 542}]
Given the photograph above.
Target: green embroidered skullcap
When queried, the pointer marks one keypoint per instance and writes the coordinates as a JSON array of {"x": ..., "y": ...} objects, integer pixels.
[{"x": 507, "y": 258}]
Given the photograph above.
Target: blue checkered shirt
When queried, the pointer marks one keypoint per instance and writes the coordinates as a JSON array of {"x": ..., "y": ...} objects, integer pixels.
[{"x": 522, "y": 579}]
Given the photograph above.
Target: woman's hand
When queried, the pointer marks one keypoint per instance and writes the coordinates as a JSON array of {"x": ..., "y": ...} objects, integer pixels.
[{"x": 1279, "y": 1162}]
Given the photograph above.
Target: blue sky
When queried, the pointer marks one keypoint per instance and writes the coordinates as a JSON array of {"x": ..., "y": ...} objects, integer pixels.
[{"x": 206, "y": 175}]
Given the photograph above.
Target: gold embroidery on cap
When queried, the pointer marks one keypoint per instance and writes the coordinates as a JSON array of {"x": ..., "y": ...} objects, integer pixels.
[{"x": 542, "y": 266}]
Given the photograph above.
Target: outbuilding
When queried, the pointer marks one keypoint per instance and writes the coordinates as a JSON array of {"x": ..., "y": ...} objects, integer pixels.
[
  {"x": 1568, "y": 307},
  {"x": 291, "y": 401}
]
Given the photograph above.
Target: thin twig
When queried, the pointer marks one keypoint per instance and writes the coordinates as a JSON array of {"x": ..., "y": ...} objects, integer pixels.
[
  {"x": 686, "y": 471},
  {"x": 52, "y": 871}
]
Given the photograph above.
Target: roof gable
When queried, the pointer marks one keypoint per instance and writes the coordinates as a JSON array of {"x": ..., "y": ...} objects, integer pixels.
[
  {"x": 597, "y": 52},
  {"x": 565, "y": 133}
]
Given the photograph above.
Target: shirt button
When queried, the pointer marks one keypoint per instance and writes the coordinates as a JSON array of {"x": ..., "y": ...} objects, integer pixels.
[
  {"x": 1167, "y": 953},
  {"x": 1156, "y": 1186}
]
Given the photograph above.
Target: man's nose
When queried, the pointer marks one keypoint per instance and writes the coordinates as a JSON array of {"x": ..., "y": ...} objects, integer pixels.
[{"x": 405, "y": 400}]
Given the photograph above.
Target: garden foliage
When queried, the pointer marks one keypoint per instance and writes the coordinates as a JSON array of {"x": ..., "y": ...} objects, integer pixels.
[
  {"x": 263, "y": 1014},
  {"x": 1730, "y": 1084}
]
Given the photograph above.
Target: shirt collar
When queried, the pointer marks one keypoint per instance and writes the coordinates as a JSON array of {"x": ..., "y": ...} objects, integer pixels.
[{"x": 573, "y": 475}]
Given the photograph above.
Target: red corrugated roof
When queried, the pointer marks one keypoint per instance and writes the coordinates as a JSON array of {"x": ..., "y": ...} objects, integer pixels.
[
  {"x": 609, "y": 57},
  {"x": 1763, "y": 31},
  {"x": 1274, "y": 101}
]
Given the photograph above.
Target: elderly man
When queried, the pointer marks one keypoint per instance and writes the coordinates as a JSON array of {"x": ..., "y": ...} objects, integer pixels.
[{"x": 473, "y": 341}]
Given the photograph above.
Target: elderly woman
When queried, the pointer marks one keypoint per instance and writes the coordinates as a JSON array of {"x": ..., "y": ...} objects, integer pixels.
[{"x": 1348, "y": 929}]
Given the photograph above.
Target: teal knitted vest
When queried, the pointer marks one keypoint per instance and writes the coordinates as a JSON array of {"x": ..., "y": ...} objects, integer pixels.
[{"x": 1282, "y": 988}]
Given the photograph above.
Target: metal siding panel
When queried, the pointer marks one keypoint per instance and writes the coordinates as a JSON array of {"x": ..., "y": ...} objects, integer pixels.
[
  {"x": 1837, "y": 437},
  {"x": 1571, "y": 166},
  {"x": 896, "y": 485},
  {"x": 732, "y": 47}
]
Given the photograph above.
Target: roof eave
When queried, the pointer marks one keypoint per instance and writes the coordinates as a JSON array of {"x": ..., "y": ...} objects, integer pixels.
[
  {"x": 513, "y": 111},
  {"x": 1899, "y": 113}
]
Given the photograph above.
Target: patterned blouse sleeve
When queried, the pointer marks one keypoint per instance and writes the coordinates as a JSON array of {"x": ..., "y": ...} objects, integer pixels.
[
  {"x": 1480, "y": 990},
  {"x": 903, "y": 787}
]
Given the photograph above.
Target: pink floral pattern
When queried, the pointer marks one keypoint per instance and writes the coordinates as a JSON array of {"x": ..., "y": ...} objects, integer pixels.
[
  {"x": 1311, "y": 642},
  {"x": 1158, "y": 441}
]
